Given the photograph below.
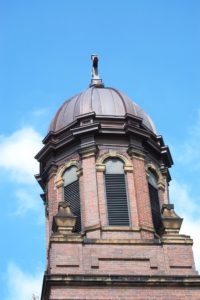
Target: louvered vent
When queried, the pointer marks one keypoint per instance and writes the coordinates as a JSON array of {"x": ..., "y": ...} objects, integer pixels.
[
  {"x": 117, "y": 205},
  {"x": 71, "y": 194},
  {"x": 155, "y": 208}
]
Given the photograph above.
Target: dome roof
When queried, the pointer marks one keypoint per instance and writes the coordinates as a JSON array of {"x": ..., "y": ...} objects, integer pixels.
[{"x": 101, "y": 100}]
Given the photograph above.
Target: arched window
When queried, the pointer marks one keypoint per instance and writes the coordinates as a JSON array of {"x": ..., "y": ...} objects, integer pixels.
[
  {"x": 72, "y": 195},
  {"x": 115, "y": 182},
  {"x": 155, "y": 204}
]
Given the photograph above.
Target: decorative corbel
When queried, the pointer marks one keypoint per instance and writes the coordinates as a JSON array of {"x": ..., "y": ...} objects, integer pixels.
[
  {"x": 88, "y": 151},
  {"x": 136, "y": 153}
]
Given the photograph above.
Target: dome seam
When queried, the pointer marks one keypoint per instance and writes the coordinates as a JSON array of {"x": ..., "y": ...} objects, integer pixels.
[
  {"x": 78, "y": 97},
  {"x": 118, "y": 93}
]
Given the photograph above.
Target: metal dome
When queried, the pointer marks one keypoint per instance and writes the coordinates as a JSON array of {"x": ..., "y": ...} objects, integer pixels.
[{"x": 101, "y": 100}]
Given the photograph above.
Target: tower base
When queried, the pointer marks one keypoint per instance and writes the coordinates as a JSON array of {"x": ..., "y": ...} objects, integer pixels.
[{"x": 101, "y": 287}]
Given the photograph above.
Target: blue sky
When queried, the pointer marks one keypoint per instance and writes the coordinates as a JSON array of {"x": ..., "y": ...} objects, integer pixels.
[{"x": 149, "y": 49}]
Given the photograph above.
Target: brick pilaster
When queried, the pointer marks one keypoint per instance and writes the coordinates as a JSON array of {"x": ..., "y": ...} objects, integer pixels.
[{"x": 141, "y": 190}]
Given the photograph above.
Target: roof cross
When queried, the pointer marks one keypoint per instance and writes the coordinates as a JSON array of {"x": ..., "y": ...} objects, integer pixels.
[
  {"x": 95, "y": 61},
  {"x": 95, "y": 81}
]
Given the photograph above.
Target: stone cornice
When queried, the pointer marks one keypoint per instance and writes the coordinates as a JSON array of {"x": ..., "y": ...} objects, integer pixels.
[
  {"x": 117, "y": 281},
  {"x": 69, "y": 238},
  {"x": 85, "y": 129},
  {"x": 105, "y": 127},
  {"x": 125, "y": 280},
  {"x": 81, "y": 239},
  {"x": 177, "y": 239}
]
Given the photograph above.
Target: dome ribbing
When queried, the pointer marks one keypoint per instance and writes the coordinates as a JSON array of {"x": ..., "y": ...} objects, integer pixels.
[{"x": 104, "y": 102}]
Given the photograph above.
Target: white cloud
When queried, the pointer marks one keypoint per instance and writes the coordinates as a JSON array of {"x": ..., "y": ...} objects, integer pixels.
[
  {"x": 22, "y": 285},
  {"x": 185, "y": 203},
  {"x": 184, "y": 193},
  {"x": 40, "y": 112},
  {"x": 189, "y": 152},
  {"x": 26, "y": 201},
  {"x": 17, "y": 153},
  {"x": 187, "y": 208},
  {"x": 191, "y": 227}
]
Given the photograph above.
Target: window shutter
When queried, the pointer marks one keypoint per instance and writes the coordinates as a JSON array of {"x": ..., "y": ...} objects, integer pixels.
[
  {"x": 117, "y": 205},
  {"x": 72, "y": 195},
  {"x": 155, "y": 208}
]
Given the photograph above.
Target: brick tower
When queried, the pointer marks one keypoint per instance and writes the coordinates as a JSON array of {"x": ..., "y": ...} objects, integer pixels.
[{"x": 111, "y": 231}]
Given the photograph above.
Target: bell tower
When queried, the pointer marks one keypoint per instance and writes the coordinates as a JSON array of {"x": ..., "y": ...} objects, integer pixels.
[{"x": 111, "y": 231}]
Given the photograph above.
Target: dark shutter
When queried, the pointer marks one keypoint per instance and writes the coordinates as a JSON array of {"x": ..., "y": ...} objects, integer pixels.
[
  {"x": 155, "y": 208},
  {"x": 71, "y": 195},
  {"x": 117, "y": 205}
]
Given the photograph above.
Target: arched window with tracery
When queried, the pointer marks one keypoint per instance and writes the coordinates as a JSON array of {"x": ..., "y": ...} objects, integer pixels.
[
  {"x": 154, "y": 200},
  {"x": 72, "y": 194},
  {"x": 116, "y": 193}
]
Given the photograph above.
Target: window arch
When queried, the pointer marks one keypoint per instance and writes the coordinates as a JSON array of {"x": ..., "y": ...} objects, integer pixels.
[
  {"x": 72, "y": 194},
  {"x": 154, "y": 200},
  {"x": 116, "y": 194}
]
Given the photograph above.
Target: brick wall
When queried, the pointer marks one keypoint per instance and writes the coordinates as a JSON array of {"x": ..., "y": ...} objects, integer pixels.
[
  {"x": 114, "y": 251},
  {"x": 114, "y": 293},
  {"x": 121, "y": 259},
  {"x": 142, "y": 193},
  {"x": 53, "y": 200},
  {"x": 88, "y": 191}
]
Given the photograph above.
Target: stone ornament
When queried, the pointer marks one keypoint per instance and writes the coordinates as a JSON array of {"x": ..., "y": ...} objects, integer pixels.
[
  {"x": 171, "y": 221},
  {"x": 64, "y": 221},
  {"x": 59, "y": 181},
  {"x": 161, "y": 179},
  {"x": 101, "y": 167}
]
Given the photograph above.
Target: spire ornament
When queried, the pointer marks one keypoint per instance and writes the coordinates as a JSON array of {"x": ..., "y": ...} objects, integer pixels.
[{"x": 95, "y": 81}]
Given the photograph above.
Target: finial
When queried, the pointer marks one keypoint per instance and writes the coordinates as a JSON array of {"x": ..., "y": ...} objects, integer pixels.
[{"x": 95, "y": 81}]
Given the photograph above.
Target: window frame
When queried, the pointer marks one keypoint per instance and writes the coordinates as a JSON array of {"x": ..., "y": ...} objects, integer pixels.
[
  {"x": 126, "y": 191},
  {"x": 152, "y": 172},
  {"x": 79, "y": 194}
]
